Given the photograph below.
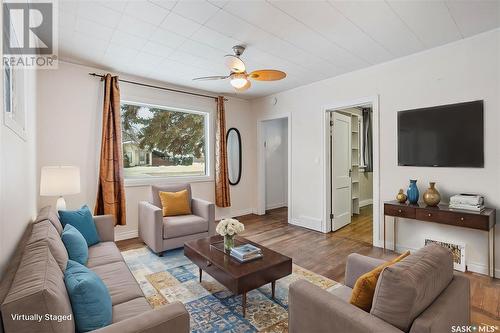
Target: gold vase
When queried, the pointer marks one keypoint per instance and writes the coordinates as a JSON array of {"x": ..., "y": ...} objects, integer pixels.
[
  {"x": 401, "y": 196},
  {"x": 432, "y": 196}
]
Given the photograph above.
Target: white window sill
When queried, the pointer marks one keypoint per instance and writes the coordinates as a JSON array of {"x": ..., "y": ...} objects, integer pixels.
[{"x": 169, "y": 180}]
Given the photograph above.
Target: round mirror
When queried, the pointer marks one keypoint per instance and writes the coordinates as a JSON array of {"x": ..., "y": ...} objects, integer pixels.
[{"x": 233, "y": 141}]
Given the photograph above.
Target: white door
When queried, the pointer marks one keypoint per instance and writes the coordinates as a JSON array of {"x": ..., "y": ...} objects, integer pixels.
[{"x": 341, "y": 169}]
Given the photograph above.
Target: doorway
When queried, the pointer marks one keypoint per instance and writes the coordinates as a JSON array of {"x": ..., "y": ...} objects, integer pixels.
[
  {"x": 274, "y": 166},
  {"x": 275, "y": 135},
  {"x": 350, "y": 159}
]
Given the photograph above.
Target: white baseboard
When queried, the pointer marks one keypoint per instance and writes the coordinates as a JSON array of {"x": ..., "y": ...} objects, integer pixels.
[
  {"x": 471, "y": 266},
  {"x": 365, "y": 202},
  {"x": 234, "y": 213},
  {"x": 126, "y": 234},
  {"x": 481, "y": 269},
  {"x": 307, "y": 222},
  {"x": 274, "y": 206}
]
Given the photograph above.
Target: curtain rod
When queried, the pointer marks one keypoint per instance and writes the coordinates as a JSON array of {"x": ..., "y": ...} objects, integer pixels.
[{"x": 158, "y": 87}]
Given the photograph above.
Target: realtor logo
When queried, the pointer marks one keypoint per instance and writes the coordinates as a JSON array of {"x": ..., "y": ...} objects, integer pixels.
[{"x": 29, "y": 38}]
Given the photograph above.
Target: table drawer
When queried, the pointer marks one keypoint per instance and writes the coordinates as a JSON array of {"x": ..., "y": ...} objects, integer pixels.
[
  {"x": 455, "y": 218},
  {"x": 399, "y": 211},
  {"x": 220, "y": 275}
]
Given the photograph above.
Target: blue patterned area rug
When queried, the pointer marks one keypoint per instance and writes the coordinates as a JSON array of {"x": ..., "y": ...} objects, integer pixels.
[{"x": 211, "y": 306}]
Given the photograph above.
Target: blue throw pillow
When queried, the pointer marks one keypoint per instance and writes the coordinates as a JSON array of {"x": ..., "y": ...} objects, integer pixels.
[
  {"x": 75, "y": 244},
  {"x": 89, "y": 297},
  {"x": 82, "y": 220}
]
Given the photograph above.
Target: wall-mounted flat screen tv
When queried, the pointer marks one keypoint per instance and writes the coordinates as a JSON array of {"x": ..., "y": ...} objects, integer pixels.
[{"x": 442, "y": 136}]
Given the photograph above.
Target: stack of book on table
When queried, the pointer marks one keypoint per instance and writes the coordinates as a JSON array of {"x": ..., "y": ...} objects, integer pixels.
[
  {"x": 472, "y": 202},
  {"x": 246, "y": 253}
]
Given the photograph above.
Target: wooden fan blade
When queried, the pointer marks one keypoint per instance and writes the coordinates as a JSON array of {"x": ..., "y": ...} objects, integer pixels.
[
  {"x": 235, "y": 64},
  {"x": 267, "y": 75},
  {"x": 209, "y": 78}
]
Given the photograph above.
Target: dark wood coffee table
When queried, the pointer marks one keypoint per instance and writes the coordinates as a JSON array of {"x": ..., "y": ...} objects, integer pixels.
[{"x": 239, "y": 278}]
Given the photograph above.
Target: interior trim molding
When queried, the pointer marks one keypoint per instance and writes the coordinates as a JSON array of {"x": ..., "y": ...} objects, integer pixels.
[
  {"x": 377, "y": 203},
  {"x": 308, "y": 222},
  {"x": 365, "y": 202},
  {"x": 122, "y": 233},
  {"x": 278, "y": 205},
  {"x": 126, "y": 234},
  {"x": 261, "y": 168},
  {"x": 233, "y": 213},
  {"x": 470, "y": 266}
]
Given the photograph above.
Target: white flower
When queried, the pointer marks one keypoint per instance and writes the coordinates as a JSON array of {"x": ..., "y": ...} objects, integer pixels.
[{"x": 229, "y": 227}]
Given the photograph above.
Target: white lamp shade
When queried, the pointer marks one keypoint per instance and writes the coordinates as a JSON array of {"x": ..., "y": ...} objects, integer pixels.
[
  {"x": 59, "y": 180},
  {"x": 247, "y": 85}
]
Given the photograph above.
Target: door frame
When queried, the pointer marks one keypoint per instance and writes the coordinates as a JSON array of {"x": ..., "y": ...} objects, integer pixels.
[
  {"x": 261, "y": 163},
  {"x": 377, "y": 211}
]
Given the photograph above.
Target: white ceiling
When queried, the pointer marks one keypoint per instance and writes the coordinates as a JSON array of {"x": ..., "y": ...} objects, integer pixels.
[{"x": 175, "y": 41}]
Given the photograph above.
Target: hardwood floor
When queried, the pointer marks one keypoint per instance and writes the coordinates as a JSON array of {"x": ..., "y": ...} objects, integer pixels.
[
  {"x": 326, "y": 254},
  {"x": 361, "y": 226}
]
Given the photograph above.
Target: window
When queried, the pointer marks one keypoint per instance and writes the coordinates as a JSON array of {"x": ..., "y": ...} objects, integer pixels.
[{"x": 162, "y": 142}]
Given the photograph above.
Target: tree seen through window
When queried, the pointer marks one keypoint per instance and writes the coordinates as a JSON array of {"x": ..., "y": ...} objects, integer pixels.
[{"x": 158, "y": 142}]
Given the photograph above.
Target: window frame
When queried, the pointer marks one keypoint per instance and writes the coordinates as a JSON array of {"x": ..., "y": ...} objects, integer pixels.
[{"x": 209, "y": 141}]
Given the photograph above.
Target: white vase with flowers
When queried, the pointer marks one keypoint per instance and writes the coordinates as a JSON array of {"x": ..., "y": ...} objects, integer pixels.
[{"x": 228, "y": 228}]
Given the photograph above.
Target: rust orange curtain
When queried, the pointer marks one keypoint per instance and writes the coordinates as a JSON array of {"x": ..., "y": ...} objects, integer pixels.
[
  {"x": 111, "y": 192},
  {"x": 222, "y": 196}
]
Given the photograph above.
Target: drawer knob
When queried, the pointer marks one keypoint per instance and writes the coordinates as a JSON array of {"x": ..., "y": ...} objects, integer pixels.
[
  {"x": 400, "y": 211},
  {"x": 209, "y": 263},
  {"x": 461, "y": 219},
  {"x": 429, "y": 214}
]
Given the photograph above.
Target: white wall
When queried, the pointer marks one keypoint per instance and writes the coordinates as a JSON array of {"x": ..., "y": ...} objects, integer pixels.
[
  {"x": 69, "y": 131},
  {"x": 275, "y": 134},
  {"x": 365, "y": 188},
  {"x": 462, "y": 71},
  {"x": 18, "y": 189}
]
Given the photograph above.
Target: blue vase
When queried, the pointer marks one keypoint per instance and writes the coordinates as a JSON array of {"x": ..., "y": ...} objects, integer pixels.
[{"x": 412, "y": 192}]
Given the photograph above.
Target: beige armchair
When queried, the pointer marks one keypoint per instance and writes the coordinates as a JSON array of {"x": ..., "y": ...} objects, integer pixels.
[
  {"x": 419, "y": 294},
  {"x": 165, "y": 233}
]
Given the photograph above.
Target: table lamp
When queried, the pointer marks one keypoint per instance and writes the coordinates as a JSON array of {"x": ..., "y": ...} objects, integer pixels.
[{"x": 59, "y": 181}]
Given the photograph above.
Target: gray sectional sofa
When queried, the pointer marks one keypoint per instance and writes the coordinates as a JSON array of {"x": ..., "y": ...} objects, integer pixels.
[
  {"x": 34, "y": 285},
  {"x": 419, "y": 294}
]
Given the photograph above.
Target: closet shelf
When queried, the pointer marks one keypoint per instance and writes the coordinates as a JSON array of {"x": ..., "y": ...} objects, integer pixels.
[{"x": 355, "y": 149}]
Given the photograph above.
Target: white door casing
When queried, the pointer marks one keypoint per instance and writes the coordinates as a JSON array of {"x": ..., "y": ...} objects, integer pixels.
[
  {"x": 341, "y": 169},
  {"x": 261, "y": 170},
  {"x": 275, "y": 152},
  {"x": 367, "y": 101}
]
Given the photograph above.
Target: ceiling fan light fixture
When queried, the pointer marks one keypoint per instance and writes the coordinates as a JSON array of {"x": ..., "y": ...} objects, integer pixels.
[
  {"x": 238, "y": 81},
  {"x": 247, "y": 85},
  {"x": 238, "y": 76}
]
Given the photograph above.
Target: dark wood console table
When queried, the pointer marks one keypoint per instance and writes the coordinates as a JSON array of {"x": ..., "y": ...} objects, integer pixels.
[{"x": 442, "y": 214}]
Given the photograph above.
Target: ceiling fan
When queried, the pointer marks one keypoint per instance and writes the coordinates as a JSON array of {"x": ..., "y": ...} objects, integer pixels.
[{"x": 239, "y": 78}]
